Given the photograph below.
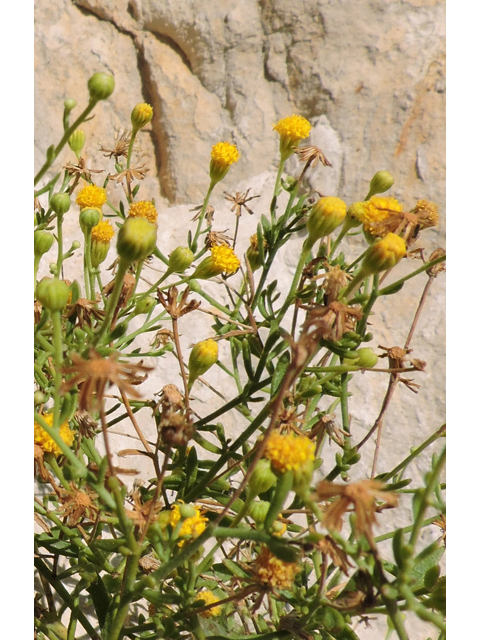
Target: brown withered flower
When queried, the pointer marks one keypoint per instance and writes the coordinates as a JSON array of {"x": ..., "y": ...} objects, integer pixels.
[
  {"x": 37, "y": 311},
  {"x": 162, "y": 338},
  {"x": 87, "y": 425},
  {"x": 331, "y": 321},
  {"x": 140, "y": 514},
  {"x": 361, "y": 497},
  {"x": 39, "y": 465},
  {"x": 217, "y": 238},
  {"x": 209, "y": 212},
  {"x": 120, "y": 148},
  {"x": 397, "y": 359},
  {"x": 78, "y": 505},
  {"x": 312, "y": 156},
  {"x": 334, "y": 281},
  {"x": 84, "y": 311},
  {"x": 131, "y": 174},
  {"x": 328, "y": 547},
  {"x": 440, "y": 266},
  {"x": 427, "y": 214},
  {"x": 80, "y": 170},
  {"x": 240, "y": 200},
  {"x": 96, "y": 374},
  {"x": 175, "y": 306},
  {"x": 175, "y": 422}
]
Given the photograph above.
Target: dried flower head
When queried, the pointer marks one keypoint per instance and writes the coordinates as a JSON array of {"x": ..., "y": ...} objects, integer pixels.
[
  {"x": 120, "y": 148},
  {"x": 162, "y": 338},
  {"x": 175, "y": 305},
  {"x": 191, "y": 527},
  {"x": 312, "y": 156},
  {"x": 37, "y": 311},
  {"x": 427, "y": 213},
  {"x": 84, "y": 312},
  {"x": 331, "y": 321},
  {"x": 143, "y": 209},
  {"x": 328, "y": 547},
  {"x": 362, "y": 496},
  {"x": 87, "y": 425},
  {"x": 131, "y": 174},
  {"x": 440, "y": 266},
  {"x": 43, "y": 440},
  {"x": 217, "y": 238},
  {"x": 209, "y": 599},
  {"x": 77, "y": 505},
  {"x": 397, "y": 360},
  {"x": 240, "y": 200},
  {"x": 142, "y": 512},
  {"x": 289, "y": 451},
  {"x": 80, "y": 170},
  {"x": 273, "y": 572},
  {"x": 254, "y": 242},
  {"x": 96, "y": 374},
  {"x": 91, "y": 197},
  {"x": 334, "y": 281},
  {"x": 209, "y": 212}
]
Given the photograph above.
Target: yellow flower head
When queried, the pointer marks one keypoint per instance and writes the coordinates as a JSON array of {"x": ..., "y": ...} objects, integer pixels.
[
  {"x": 209, "y": 598},
  {"x": 371, "y": 212},
  {"x": 274, "y": 572},
  {"x": 102, "y": 232},
  {"x": 141, "y": 115},
  {"x": 225, "y": 258},
  {"x": 45, "y": 441},
  {"x": 291, "y": 129},
  {"x": 143, "y": 209},
  {"x": 427, "y": 213},
  {"x": 91, "y": 197},
  {"x": 289, "y": 451},
  {"x": 254, "y": 242},
  {"x": 191, "y": 527},
  {"x": 384, "y": 254},
  {"x": 222, "y": 156}
]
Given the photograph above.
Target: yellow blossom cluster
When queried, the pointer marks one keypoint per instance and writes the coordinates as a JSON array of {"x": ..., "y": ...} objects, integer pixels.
[
  {"x": 289, "y": 451},
  {"x": 91, "y": 197},
  {"x": 102, "y": 232},
  {"x": 143, "y": 209},
  {"x": 274, "y": 572},
  {"x": 191, "y": 527},
  {"x": 209, "y": 598},
  {"x": 224, "y": 154},
  {"x": 224, "y": 257},
  {"x": 44, "y": 441},
  {"x": 294, "y": 128},
  {"x": 371, "y": 212}
]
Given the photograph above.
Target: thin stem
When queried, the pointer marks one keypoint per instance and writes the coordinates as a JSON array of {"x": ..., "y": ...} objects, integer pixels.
[
  {"x": 202, "y": 216},
  {"x": 112, "y": 302}
]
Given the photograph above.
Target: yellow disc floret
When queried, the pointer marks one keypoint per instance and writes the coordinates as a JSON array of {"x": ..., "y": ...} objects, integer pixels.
[
  {"x": 224, "y": 257},
  {"x": 289, "y": 451},
  {"x": 291, "y": 129},
  {"x": 224, "y": 154},
  {"x": 102, "y": 232},
  {"x": 373, "y": 211},
  {"x": 191, "y": 527},
  {"x": 143, "y": 209},
  {"x": 44, "y": 441},
  {"x": 209, "y": 598},
  {"x": 91, "y": 197},
  {"x": 141, "y": 115},
  {"x": 274, "y": 572}
]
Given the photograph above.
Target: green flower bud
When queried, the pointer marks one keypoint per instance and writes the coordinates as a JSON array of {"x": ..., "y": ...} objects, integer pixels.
[
  {"x": 381, "y": 182},
  {"x": 89, "y": 218},
  {"x": 75, "y": 245},
  {"x": 187, "y": 511},
  {"x": 52, "y": 293},
  {"x": 258, "y": 511},
  {"x": 101, "y": 86},
  {"x": 141, "y": 115},
  {"x": 180, "y": 259},
  {"x": 325, "y": 216},
  {"x": 366, "y": 358},
  {"x": 384, "y": 254},
  {"x": 60, "y": 203},
  {"x": 69, "y": 104},
  {"x": 302, "y": 477},
  {"x": 203, "y": 355},
  {"x": 136, "y": 239},
  {"x": 99, "y": 252},
  {"x": 262, "y": 478},
  {"x": 254, "y": 259},
  {"x": 145, "y": 305},
  {"x": 42, "y": 242},
  {"x": 208, "y": 268},
  {"x": 76, "y": 142},
  {"x": 39, "y": 398}
]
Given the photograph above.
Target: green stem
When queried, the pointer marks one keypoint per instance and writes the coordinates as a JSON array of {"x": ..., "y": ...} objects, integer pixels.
[
  {"x": 59, "y": 243},
  {"x": 112, "y": 302},
  {"x": 58, "y": 356},
  {"x": 87, "y": 264},
  {"x": 193, "y": 246},
  {"x": 425, "y": 500},
  {"x": 53, "y": 155},
  {"x": 394, "y": 286}
]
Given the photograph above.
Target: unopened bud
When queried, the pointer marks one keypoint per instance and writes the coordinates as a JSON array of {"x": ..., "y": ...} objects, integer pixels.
[
  {"x": 325, "y": 216},
  {"x": 187, "y": 510},
  {"x": 42, "y": 242},
  {"x": 366, "y": 358},
  {"x": 76, "y": 142},
  {"x": 69, "y": 104},
  {"x": 258, "y": 511},
  {"x": 384, "y": 254},
  {"x": 203, "y": 355},
  {"x": 52, "y": 293},
  {"x": 145, "y": 305},
  {"x": 141, "y": 115},
  {"x": 382, "y": 181},
  {"x": 60, "y": 203},
  {"x": 101, "y": 86},
  {"x": 180, "y": 259},
  {"x": 136, "y": 239},
  {"x": 262, "y": 478},
  {"x": 89, "y": 218}
]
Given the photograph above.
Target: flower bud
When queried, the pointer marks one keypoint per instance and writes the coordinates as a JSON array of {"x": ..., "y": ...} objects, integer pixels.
[
  {"x": 76, "y": 142},
  {"x": 222, "y": 156},
  {"x": 208, "y": 268},
  {"x": 39, "y": 397},
  {"x": 254, "y": 259},
  {"x": 102, "y": 233},
  {"x": 42, "y": 242},
  {"x": 180, "y": 259},
  {"x": 101, "y": 86},
  {"x": 52, "y": 293},
  {"x": 325, "y": 216},
  {"x": 384, "y": 254},
  {"x": 366, "y": 358},
  {"x": 258, "y": 511},
  {"x": 141, "y": 115},
  {"x": 203, "y": 355},
  {"x": 136, "y": 239},
  {"x": 69, "y": 104},
  {"x": 381, "y": 182},
  {"x": 187, "y": 511},
  {"x": 262, "y": 478},
  {"x": 302, "y": 477},
  {"x": 145, "y": 305},
  {"x": 89, "y": 218},
  {"x": 60, "y": 203}
]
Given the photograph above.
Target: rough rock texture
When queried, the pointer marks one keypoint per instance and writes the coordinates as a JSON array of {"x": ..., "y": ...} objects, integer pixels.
[{"x": 370, "y": 76}]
